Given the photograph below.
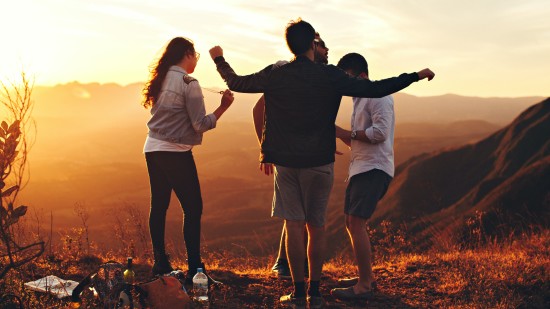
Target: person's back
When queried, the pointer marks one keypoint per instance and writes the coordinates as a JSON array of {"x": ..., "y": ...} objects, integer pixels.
[
  {"x": 291, "y": 91},
  {"x": 378, "y": 154},
  {"x": 300, "y": 117}
]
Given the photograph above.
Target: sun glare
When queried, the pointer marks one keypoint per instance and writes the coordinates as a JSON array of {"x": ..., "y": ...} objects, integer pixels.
[{"x": 11, "y": 74}]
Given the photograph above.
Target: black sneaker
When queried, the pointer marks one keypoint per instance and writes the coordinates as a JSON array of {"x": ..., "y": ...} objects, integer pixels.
[
  {"x": 315, "y": 302},
  {"x": 293, "y": 302},
  {"x": 162, "y": 265},
  {"x": 281, "y": 269}
]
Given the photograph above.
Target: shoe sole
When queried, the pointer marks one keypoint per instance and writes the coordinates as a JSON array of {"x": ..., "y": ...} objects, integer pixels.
[
  {"x": 352, "y": 297},
  {"x": 276, "y": 273},
  {"x": 293, "y": 306},
  {"x": 349, "y": 283}
]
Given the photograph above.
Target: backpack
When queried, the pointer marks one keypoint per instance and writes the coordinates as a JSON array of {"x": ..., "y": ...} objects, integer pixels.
[
  {"x": 107, "y": 281},
  {"x": 164, "y": 292}
]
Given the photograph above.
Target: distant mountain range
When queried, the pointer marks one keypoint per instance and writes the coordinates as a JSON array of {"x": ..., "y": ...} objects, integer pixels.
[
  {"x": 502, "y": 183},
  {"x": 111, "y": 100}
]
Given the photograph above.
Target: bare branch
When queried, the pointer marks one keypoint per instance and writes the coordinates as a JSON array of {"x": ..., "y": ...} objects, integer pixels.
[{"x": 17, "y": 105}]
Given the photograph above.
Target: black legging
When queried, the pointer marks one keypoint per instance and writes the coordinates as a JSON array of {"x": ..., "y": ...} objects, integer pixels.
[{"x": 175, "y": 171}]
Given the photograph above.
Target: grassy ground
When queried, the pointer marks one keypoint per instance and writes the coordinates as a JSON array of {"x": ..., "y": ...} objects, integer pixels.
[{"x": 511, "y": 275}]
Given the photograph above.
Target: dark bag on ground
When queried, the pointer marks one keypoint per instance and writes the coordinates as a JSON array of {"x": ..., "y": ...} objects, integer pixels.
[{"x": 165, "y": 292}]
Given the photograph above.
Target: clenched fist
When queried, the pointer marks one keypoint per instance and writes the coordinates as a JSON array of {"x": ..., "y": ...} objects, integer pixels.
[
  {"x": 215, "y": 52},
  {"x": 426, "y": 73}
]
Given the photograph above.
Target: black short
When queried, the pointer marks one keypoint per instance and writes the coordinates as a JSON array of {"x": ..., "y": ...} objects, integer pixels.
[{"x": 364, "y": 191}]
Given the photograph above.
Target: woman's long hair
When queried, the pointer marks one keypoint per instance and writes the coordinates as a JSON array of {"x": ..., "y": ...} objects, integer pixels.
[{"x": 173, "y": 54}]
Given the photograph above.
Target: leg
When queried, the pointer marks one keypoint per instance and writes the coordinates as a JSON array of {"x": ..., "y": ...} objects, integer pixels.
[
  {"x": 187, "y": 189},
  {"x": 160, "y": 200},
  {"x": 282, "y": 244},
  {"x": 316, "y": 184},
  {"x": 306, "y": 262},
  {"x": 281, "y": 267},
  {"x": 362, "y": 195},
  {"x": 356, "y": 227},
  {"x": 287, "y": 204},
  {"x": 315, "y": 251},
  {"x": 295, "y": 250},
  {"x": 295, "y": 254}
]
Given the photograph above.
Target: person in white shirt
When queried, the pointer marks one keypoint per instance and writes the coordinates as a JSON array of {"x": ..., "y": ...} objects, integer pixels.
[{"x": 370, "y": 173}]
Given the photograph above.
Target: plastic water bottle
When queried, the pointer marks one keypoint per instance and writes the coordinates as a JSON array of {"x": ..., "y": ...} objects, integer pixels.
[{"x": 200, "y": 288}]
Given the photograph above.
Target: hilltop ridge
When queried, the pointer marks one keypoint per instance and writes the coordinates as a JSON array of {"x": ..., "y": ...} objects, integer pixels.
[{"x": 505, "y": 176}]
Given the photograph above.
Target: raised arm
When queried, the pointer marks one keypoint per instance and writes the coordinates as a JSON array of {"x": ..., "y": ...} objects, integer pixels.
[
  {"x": 253, "y": 83},
  {"x": 358, "y": 87}
]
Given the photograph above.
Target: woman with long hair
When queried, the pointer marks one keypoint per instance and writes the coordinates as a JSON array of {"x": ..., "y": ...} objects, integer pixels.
[{"x": 178, "y": 120}]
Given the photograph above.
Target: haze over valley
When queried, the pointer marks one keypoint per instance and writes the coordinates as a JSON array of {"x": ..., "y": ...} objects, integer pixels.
[{"x": 88, "y": 151}]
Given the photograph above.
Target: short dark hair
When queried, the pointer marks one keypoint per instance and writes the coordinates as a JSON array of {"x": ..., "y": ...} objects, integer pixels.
[
  {"x": 355, "y": 63},
  {"x": 299, "y": 35}
]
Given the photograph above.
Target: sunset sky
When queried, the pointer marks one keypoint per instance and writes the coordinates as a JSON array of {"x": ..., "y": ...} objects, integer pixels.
[{"x": 479, "y": 48}]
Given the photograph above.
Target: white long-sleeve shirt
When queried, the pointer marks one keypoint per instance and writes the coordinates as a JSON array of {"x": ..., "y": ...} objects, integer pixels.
[{"x": 377, "y": 118}]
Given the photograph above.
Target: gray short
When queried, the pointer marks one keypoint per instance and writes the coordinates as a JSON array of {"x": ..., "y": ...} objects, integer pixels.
[
  {"x": 364, "y": 191},
  {"x": 301, "y": 194}
]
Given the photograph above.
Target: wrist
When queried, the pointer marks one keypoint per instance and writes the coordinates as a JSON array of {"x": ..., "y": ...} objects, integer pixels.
[{"x": 219, "y": 59}]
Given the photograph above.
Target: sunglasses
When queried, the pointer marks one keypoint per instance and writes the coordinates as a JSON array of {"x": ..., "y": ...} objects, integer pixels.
[{"x": 320, "y": 43}]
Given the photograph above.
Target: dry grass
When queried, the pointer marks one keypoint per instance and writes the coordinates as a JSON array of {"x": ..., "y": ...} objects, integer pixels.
[{"x": 514, "y": 274}]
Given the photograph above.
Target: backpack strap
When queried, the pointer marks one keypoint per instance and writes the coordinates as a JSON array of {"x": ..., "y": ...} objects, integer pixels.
[
  {"x": 11, "y": 299},
  {"x": 142, "y": 294},
  {"x": 75, "y": 296}
]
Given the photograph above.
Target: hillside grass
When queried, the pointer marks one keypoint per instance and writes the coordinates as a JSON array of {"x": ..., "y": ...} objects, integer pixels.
[{"x": 511, "y": 274}]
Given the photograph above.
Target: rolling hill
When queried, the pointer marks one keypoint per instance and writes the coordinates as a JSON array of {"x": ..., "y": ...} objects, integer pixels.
[{"x": 502, "y": 181}]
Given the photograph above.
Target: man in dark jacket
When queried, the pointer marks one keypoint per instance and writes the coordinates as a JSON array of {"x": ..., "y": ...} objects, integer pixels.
[
  {"x": 302, "y": 99},
  {"x": 281, "y": 266}
]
